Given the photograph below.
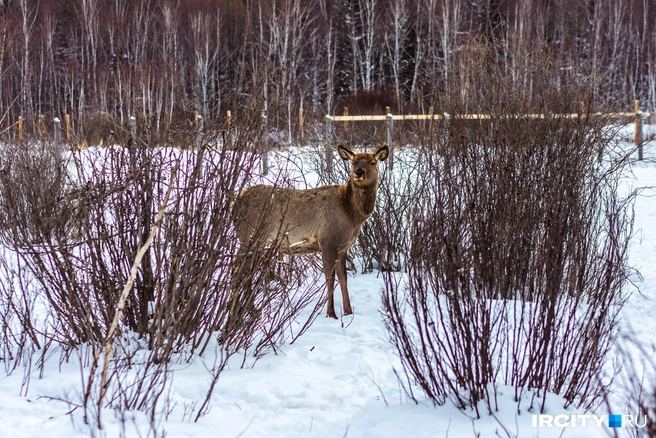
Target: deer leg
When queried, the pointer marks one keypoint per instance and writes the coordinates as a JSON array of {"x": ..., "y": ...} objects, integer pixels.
[
  {"x": 329, "y": 257},
  {"x": 341, "y": 277}
]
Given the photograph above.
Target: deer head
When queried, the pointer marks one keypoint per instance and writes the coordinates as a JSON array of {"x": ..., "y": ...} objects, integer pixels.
[{"x": 364, "y": 172}]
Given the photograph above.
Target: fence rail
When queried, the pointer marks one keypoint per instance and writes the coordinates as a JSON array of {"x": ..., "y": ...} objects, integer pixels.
[
  {"x": 382, "y": 118},
  {"x": 64, "y": 133},
  {"x": 389, "y": 118}
]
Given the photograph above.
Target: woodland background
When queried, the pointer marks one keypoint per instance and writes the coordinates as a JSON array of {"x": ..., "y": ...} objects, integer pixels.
[{"x": 147, "y": 58}]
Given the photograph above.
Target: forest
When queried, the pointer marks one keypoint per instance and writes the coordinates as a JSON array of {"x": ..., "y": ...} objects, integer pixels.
[{"x": 155, "y": 57}]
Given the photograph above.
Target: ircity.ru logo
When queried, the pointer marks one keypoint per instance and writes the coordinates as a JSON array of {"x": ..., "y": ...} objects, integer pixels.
[{"x": 585, "y": 420}]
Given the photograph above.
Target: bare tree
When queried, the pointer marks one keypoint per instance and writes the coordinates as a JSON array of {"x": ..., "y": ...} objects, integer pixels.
[
  {"x": 362, "y": 23},
  {"x": 205, "y": 53},
  {"x": 396, "y": 42},
  {"x": 423, "y": 30},
  {"x": 449, "y": 21},
  {"x": 169, "y": 57},
  {"x": 367, "y": 16},
  {"x": 27, "y": 20},
  {"x": 288, "y": 26},
  {"x": 89, "y": 16}
]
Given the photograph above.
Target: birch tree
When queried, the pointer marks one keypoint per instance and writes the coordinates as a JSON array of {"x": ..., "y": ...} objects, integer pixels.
[
  {"x": 324, "y": 56},
  {"x": 27, "y": 19},
  {"x": 448, "y": 26},
  {"x": 89, "y": 16},
  {"x": 289, "y": 30},
  {"x": 169, "y": 56},
  {"x": 368, "y": 20},
  {"x": 140, "y": 33},
  {"x": 48, "y": 89},
  {"x": 397, "y": 42},
  {"x": 204, "y": 54}
]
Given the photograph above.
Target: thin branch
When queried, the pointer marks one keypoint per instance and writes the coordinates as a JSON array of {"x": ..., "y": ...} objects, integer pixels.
[{"x": 109, "y": 342}]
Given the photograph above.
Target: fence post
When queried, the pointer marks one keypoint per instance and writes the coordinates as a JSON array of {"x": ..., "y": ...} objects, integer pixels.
[
  {"x": 637, "y": 135},
  {"x": 67, "y": 120},
  {"x": 42, "y": 129},
  {"x": 167, "y": 122},
  {"x": 57, "y": 130},
  {"x": 390, "y": 139},
  {"x": 300, "y": 126},
  {"x": 20, "y": 130},
  {"x": 329, "y": 144},
  {"x": 198, "y": 127},
  {"x": 201, "y": 128},
  {"x": 430, "y": 124},
  {"x": 265, "y": 153},
  {"x": 346, "y": 124},
  {"x": 229, "y": 127},
  {"x": 133, "y": 127}
]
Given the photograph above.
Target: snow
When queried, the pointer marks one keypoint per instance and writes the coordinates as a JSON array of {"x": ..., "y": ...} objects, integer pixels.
[{"x": 338, "y": 379}]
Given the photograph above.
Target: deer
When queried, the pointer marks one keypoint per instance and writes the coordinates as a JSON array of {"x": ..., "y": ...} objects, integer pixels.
[{"x": 324, "y": 220}]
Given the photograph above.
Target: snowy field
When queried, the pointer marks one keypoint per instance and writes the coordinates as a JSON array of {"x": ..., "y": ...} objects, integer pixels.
[{"x": 336, "y": 380}]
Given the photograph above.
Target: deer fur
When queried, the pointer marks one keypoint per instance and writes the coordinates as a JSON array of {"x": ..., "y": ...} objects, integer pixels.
[{"x": 325, "y": 219}]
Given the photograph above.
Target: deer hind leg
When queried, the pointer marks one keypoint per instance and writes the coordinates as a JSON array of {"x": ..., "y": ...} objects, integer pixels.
[
  {"x": 329, "y": 257},
  {"x": 341, "y": 277}
]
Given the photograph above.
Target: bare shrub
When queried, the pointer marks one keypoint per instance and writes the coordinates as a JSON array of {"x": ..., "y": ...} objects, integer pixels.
[
  {"x": 76, "y": 221},
  {"x": 635, "y": 384},
  {"x": 383, "y": 243},
  {"x": 34, "y": 179},
  {"x": 19, "y": 338},
  {"x": 517, "y": 247}
]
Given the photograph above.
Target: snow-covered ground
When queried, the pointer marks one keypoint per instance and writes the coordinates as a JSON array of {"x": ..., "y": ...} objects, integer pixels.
[{"x": 336, "y": 380}]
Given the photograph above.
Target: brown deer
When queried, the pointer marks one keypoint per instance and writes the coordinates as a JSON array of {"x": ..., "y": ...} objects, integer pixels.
[{"x": 325, "y": 219}]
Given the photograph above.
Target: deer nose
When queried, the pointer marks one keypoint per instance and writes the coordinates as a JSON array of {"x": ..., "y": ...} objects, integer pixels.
[{"x": 359, "y": 173}]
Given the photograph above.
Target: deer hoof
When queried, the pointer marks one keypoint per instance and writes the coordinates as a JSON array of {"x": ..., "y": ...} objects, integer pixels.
[{"x": 331, "y": 315}]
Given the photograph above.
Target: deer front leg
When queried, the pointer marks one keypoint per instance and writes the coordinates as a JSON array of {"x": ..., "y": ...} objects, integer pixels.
[
  {"x": 329, "y": 257},
  {"x": 341, "y": 277}
]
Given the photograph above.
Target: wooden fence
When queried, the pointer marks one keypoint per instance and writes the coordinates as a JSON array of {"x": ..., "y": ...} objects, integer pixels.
[
  {"x": 65, "y": 131},
  {"x": 389, "y": 118}
]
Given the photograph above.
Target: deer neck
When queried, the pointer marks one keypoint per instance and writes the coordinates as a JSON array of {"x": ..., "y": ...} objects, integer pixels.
[{"x": 360, "y": 201}]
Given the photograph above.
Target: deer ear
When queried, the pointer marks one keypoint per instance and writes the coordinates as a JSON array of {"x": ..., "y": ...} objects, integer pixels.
[
  {"x": 345, "y": 153},
  {"x": 382, "y": 153}
]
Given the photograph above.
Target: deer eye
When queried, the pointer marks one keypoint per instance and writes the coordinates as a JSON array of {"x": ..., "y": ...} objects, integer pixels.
[{"x": 373, "y": 163}]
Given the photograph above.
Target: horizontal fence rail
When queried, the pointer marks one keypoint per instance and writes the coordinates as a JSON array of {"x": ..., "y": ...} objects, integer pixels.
[
  {"x": 63, "y": 128},
  {"x": 389, "y": 118},
  {"x": 383, "y": 118}
]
